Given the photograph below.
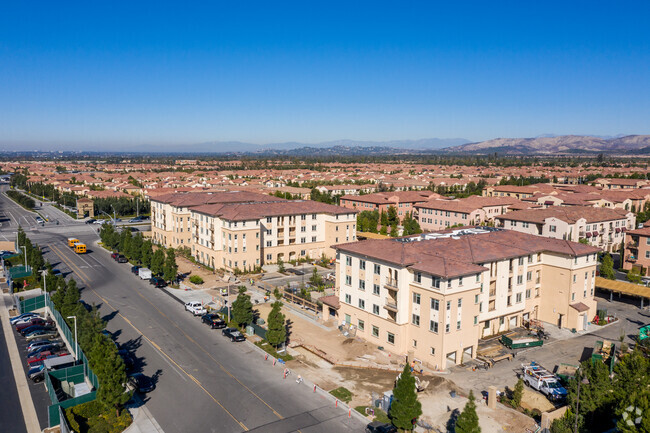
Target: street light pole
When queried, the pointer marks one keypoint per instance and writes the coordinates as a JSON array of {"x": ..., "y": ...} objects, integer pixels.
[
  {"x": 44, "y": 274},
  {"x": 76, "y": 343}
]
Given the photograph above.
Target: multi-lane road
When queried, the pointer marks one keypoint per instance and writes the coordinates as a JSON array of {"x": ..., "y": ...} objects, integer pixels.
[{"x": 203, "y": 381}]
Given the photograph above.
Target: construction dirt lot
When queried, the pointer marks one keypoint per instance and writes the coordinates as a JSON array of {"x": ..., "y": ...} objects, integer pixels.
[{"x": 329, "y": 359}]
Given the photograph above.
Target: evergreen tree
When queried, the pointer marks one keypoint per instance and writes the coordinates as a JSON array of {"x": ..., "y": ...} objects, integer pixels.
[
  {"x": 158, "y": 261},
  {"x": 242, "y": 308},
  {"x": 71, "y": 299},
  {"x": 146, "y": 253},
  {"x": 467, "y": 421},
  {"x": 405, "y": 408},
  {"x": 125, "y": 241},
  {"x": 383, "y": 219},
  {"x": 383, "y": 230},
  {"x": 392, "y": 215},
  {"x": 518, "y": 393},
  {"x": 316, "y": 280},
  {"x": 277, "y": 333},
  {"x": 110, "y": 370},
  {"x": 607, "y": 267},
  {"x": 280, "y": 264},
  {"x": 633, "y": 276},
  {"x": 394, "y": 231},
  {"x": 170, "y": 268}
]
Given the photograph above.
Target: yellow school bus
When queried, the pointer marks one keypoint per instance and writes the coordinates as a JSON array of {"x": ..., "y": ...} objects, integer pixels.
[
  {"x": 72, "y": 242},
  {"x": 79, "y": 248}
]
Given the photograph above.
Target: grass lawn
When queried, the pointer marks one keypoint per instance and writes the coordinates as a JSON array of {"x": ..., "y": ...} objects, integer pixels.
[
  {"x": 342, "y": 394},
  {"x": 265, "y": 346}
]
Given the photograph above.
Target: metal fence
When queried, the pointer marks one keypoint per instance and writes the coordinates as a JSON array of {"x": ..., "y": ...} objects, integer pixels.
[
  {"x": 20, "y": 272},
  {"x": 31, "y": 304},
  {"x": 65, "y": 428}
]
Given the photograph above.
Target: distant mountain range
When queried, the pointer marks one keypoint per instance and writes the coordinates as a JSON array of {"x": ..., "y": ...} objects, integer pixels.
[{"x": 558, "y": 145}]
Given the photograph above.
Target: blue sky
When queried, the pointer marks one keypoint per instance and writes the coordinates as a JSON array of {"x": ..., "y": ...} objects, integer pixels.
[{"x": 130, "y": 73}]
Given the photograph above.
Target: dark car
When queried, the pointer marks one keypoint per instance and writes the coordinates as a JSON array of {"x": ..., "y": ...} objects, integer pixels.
[
  {"x": 36, "y": 373},
  {"x": 121, "y": 259},
  {"x": 233, "y": 334},
  {"x": 34, "y": 321},
  {"x": 213, "y": 320},
  {"x": 135, "y": 269},
  {"x": 158, "y": 282},
  {"x": 41, "y": 349},
  {"x": 114, "y": 256},
  {"x": 25, "y": 332},
  {"x": 90, "y": 221},
  {"x": 141, "y": 382},
  {"x": 380, "y": 427}
]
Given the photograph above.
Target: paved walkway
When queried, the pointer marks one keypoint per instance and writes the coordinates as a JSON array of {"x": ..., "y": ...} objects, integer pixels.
[
  {"x": 25, "y": 397},
  {"x": 143, "y": 421}
]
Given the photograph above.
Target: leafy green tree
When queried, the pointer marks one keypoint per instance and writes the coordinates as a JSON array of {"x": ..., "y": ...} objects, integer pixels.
[
  {"x": 583, "y": 241},
  {"x": 125, "y": 241},
  {"x": 158, "y": 261},
  {"x": 383, "y": 230},
  {"x": 316, "y": 280},
  {"x": 564, "y": 424},
  {"x": 518, "y": 393},
  {"x": 277, "y": 333},
  {"x": 170, "y": 268},
  {"x": 405, "y": 408},
  {"x": 242, "y": 308},
  {"x": 394, "y": 231},
  {"x": 467, "y": 421},
  {"x": 280, "y": 264},
  {"x": 146, "y": 253},
  {"x": 135, "y": 249},
  {"x": 633, "y": 276},
  {"x": 607, "y": 267}
]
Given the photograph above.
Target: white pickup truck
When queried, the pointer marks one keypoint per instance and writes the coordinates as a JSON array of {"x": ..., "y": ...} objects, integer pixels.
[
  {"x": 544, "y": 381},
  {"x": 144, "y": 273},
  {"x": 196, "y": 308}
]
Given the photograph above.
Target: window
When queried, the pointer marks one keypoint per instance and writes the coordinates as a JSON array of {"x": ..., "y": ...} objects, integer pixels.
[
  {"x": 415, "y": 343},
  {"x": 348, "y": 280},
  {"x": 435, "y": 282},
  {"x": 390, "y": 337},
  {"x": 529, "y": 276},
  {"x": 448, "y": 305},
  {"x": 552, "y": 229},
  {"x": 447, "y": 327},
  {"x": 435, "y": 305},
  {"x": 303, "y": 229},
  {"x": 480, "y": 307},
  {"x": 269, "y": 243},
  {"x": 375, "y": 331},
  {"x": 520, "y": 279},
  {"x": 362, "y": 304},
  {"x": 362, "y": 265},
  {"x": 573, "y": 296},
  {"x": 527, "y": 293},
  {"x": 416, "y": 298},
  {"x": 377, "y": 269},
  {"x": 348, "y": 299},
  {"x": 269, "y": 256},
  {"x": 460, "y": 281},
  {"x": 574, "y": 278},
  {"x": 478, "y": 277},
  {"x": 433, "y": 351},
  {"x": 361, "y": 325},
  {"x": 458, "y": 325},
  {"x": 348, "y": 260},
  {"x": 362, "y": 285},
  {"x": 375, "y": 309},
  {"x": 375, "y": 289},
  {"x": 417, "y": 277},
  {"x": 433, "y": 326},
  {"x": 518, "y": 300},
  {"x": 415, "y": 320},
  {"x": 269, "y": 219},
  {"x": 268, "y": 232},
  {"x": 476, "y": 320},
  {"x": 476, "y": 299},
  {"x": 521, "y": 261},
  {"x": 460, "y": 302}
]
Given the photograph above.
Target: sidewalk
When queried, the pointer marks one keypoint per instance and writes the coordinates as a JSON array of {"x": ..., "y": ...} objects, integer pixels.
[{"x": 143, "y": 421}]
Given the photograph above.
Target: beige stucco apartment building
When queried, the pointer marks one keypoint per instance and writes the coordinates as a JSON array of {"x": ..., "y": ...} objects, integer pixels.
[
  {"x": 433, "y": 296},
  {"x": 602, "y": 227},
  {"x": 242, "y": 230}
]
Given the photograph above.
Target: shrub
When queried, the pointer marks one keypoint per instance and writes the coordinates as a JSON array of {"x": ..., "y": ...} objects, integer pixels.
[
  {"x": 342, "y": 394},
  {"x": 196, "y": 279}
]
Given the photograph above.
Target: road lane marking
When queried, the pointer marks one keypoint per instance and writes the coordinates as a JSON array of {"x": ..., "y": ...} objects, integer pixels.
[{"x": 88, "y": 286}]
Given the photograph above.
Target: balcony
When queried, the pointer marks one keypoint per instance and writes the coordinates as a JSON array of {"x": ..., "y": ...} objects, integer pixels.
[
  {"x": 391, "y": 305},
  {"x": 631, "y": 258},
  {"x": 493, "y": 293},
  {"x": 633, "y": 245},
  {"x": 391, "y": 284}
]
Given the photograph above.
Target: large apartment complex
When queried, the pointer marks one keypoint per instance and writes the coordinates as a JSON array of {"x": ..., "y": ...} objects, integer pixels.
[
  {"x": 637, "y": 250},
  {"x": 433, "y": 296},
  {"x": 601, "y": 227},
  {"x": 242, "y": 230}
]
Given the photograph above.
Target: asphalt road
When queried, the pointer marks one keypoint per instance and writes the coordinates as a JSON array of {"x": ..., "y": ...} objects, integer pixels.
[
  {"x": 11, "y": 420},
  {"x": 203, "y": 381}
]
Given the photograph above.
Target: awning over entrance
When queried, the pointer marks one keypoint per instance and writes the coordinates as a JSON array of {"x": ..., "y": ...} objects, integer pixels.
[
  {"x": 579, "y": 307},
  {"x": 331, "y": 301}
]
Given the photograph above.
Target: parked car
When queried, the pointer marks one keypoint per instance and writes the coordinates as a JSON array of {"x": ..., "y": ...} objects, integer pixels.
[
  {"x": 41, "y": 349},
  {"x": 135, "y": 220},
  {"x": 141, "y": 383},
  {"x": 214, "y": 320},
  {"x": 135, "y": 269},
  {"x": 195, "y": 308},
  {"x": 128, "y": 358},
  {"x": 39, "y": 358},
  {"x": 36, "y": 373},
  {"x": 145, "y": 274},
  {"x": 380, "y": 427},
  {"x": 38, "y": 343},
  {"x": 34, "y": 321},
  {"x": 233, "y": 334},
  {"x": 121, "y": 259},
  {"x": 22, "y": 318},
  {"x": 114, "y": 256},
  {"x": 29, "y": 330},
  {"x": 158, "y": 282},
  {"x": 99, "y": 221},
  {"x": 91, "y": 221},
  {"x": 55, "y": 272},
  {"x": 42, "y": 333}
]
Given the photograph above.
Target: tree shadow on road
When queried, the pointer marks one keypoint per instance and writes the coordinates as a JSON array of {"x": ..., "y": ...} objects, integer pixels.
[{"x": 110, "y": 316}]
